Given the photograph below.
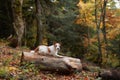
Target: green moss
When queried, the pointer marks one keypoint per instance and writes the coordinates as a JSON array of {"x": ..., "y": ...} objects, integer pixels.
[{"x": 4, "y": 73}]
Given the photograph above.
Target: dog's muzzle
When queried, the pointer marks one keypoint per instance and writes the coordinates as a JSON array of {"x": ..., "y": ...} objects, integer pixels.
[{"x": 58, "y": 49}]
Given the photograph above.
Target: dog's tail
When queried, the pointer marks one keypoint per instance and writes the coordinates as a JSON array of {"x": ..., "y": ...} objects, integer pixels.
[{"x": 36, "y": 49}]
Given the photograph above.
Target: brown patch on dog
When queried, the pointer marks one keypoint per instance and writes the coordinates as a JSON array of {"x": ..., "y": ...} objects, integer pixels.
[
  {"x": 36, "y": 49},
  {"x": 49, "y": 50}
]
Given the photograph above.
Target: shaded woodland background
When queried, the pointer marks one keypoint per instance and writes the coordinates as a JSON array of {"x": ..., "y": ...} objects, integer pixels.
[{"x": 87, "y": 29}]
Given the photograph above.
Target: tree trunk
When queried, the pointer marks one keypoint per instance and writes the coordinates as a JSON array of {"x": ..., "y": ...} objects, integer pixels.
[
  {"x": 104, "y": 27},
  {"x": 18, "y": 20},
  {"x": 53, "y": 63},
  {"x": 98, "y": 34},
  {"x": 39, "y": 23}
]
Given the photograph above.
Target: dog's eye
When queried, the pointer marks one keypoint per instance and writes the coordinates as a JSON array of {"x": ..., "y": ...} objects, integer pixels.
[{"x": 55, "y": 45}]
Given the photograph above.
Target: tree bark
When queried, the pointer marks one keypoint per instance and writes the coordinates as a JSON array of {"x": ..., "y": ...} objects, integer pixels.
[
  {"x": 98, "y": 34},
  {"x": 53, "y": 63},
  {"x": 104, "y": 26},
  {"x": 39, "y": 23},
  {"x": 18, "y": 22}
]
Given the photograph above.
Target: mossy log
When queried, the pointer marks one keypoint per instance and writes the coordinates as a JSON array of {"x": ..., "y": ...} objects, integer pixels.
[{"x": 53, "y": 63}]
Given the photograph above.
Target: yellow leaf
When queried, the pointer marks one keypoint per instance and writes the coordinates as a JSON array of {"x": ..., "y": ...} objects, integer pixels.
[{"x": 12, "y": 68}]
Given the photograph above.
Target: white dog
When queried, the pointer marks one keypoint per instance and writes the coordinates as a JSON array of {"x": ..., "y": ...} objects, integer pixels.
[{"x": 52, "y": 50}]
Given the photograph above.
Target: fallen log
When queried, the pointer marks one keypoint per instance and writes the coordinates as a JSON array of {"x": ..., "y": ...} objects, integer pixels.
[
  {"x": 53, "y": 63},
  {"x": 110, "y": 74}
]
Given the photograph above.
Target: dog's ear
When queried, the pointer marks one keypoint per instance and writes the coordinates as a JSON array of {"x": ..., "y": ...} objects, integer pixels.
[{"x": 54, "y": 42}]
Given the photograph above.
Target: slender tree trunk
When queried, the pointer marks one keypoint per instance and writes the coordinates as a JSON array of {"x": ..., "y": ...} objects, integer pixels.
[
  {"x": 98, "y": 34},
  {"x": 119, "y": 46},
  {"x": 104, "y": 27},
  {"x": 119, "y": 50},
  {"x": 88, "y": 39},
  {"x": 18, "y": 20},
  {"x": 39, "y": 37},
  {"x": 88, "y": 34}
]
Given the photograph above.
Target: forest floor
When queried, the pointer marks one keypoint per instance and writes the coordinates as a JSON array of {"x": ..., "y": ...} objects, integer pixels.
[{"x": 10, "y": 68}]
